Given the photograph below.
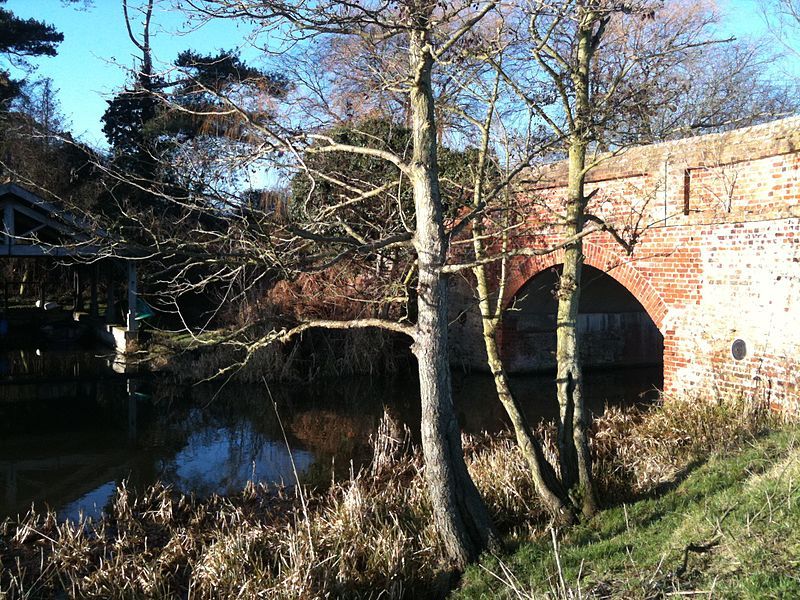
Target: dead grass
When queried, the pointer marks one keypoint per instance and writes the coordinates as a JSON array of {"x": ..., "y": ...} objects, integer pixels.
[
  {"x": 638, "y": 450},
  {"x": 315, "y": 355},
  {"x": 369, "y": 536}
]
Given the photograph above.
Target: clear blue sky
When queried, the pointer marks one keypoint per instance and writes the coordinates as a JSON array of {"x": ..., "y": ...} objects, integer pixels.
[{"x": 91, "y": 62}]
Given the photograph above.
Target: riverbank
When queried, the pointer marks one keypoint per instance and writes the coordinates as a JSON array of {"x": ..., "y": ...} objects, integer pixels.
[
  {"x": 731, "y": 529},
  {"x": 368, "y": 535},
  {"x": 223, "y": 354}
]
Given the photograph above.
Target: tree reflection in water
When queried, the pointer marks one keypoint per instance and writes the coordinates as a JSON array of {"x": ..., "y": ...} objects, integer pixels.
[{"x": 68, "y": 440}]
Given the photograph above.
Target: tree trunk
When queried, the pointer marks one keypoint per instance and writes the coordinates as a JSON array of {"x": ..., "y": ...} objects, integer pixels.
[
  {"x": 573, "y": 442},
  {"x": 459, "y": 512},
  {"x": 549, "y": 489}
]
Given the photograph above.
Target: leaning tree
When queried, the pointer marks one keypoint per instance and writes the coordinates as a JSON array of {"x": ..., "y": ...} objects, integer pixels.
[{"x": 600, "y": 77}]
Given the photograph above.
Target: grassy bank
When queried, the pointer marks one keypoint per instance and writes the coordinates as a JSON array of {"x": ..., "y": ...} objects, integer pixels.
[
  {"x": 731, "y": 529},
  {"x": 368, "y": 536}
]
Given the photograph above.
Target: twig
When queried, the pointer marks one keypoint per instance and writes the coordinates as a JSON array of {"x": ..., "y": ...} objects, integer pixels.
[{"x": 698, "y": 549}]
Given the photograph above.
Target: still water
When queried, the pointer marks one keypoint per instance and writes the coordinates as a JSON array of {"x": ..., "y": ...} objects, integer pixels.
[{"x": 71, "y": 429}]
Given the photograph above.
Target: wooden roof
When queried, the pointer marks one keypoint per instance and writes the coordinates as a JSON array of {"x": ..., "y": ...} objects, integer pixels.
[{"x": 32, "y": 227}]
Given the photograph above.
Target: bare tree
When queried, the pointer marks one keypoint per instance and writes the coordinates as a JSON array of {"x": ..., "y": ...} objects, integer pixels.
[
  {"x": 490, "y": 305},
  {"x": 607, "y": 75},
  {"x": 223, "y": 237},
  {"x": 782, "y": 18}
]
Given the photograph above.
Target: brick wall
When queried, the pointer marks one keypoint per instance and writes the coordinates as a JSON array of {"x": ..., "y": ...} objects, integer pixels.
[{"x": 716, "y": 259}]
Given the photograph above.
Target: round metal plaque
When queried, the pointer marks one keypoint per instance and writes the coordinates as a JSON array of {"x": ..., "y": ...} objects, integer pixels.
[{"x": 739, "y": 349}]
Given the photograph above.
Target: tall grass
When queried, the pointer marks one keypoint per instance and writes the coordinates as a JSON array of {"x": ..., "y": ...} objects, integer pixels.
[
  {"x": 368, "y": 536},
  {"x": 729, "y": 529},
  {"x": 638, "y": 450}
]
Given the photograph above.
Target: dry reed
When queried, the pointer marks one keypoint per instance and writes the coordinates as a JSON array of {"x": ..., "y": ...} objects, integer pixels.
[{"x": 316, "y": 355}]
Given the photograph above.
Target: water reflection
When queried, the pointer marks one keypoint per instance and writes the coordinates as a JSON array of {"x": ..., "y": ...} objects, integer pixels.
[
  {"x": 67, "y": 440},
  {"x": 221, "y": 460},
  {"x": 39, "y": 365},
  {"x": 91, "y": 503},
  {"x": 479, "y": 410}
]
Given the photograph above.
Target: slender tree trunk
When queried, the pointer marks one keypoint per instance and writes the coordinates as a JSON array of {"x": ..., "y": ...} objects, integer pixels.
[
  {"x": 569, "y": 376},
  {"x": 545, "y": 479},
  {"x": 549, "y": 489},
  {"x": 573, "y": 441},
  {"x": 459, "y": 512}
]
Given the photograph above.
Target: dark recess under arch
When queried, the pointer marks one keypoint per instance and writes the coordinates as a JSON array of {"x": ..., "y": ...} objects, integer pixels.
[{"x": 615, "y": 329}]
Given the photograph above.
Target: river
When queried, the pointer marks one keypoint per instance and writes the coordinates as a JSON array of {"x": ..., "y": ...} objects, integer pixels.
[{"x": 72, "y": 429}]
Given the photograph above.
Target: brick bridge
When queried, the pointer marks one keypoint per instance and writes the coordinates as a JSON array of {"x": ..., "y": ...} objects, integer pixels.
[{"x": 712, "y": 284}]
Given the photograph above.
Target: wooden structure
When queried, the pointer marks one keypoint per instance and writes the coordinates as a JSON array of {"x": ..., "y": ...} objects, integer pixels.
[{"x": 33, "y": 228}]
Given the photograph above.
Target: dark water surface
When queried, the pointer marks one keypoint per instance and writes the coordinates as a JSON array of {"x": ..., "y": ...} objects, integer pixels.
[{"x": 72, "y": 429}]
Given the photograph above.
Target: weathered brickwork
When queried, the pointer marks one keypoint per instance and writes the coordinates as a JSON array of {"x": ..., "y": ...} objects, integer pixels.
[{"x": 716, "y": 225}]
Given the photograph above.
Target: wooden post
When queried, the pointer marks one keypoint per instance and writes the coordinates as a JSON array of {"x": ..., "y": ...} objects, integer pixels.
[
  {"x": 8, "y": 225},
  {"x": 132, "y": 325},
  {"x": 93, "y": 290},
  {"x": 26, "y": 275},
  {"x": 41, "y": 272},
  {"x": 110, "y": 316},
  {"x": 77, "y": 304}
]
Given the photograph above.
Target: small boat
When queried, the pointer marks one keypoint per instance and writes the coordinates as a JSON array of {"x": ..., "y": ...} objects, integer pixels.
[
  {"x": 143, "y": 310},
  {"x": 47, "y": 305}
]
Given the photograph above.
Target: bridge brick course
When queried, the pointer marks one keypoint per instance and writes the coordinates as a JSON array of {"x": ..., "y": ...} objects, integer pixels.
[{"x": 716, "y": 222}]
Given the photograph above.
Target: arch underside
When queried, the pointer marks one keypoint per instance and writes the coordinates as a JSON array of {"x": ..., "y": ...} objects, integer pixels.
[
  {"x": 612, "y": 264},
  {"x": 619, "y": 321}
]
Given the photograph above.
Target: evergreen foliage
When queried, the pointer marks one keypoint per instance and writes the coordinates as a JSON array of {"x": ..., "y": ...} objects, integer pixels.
[
  {"x": 311, "y": 192},
  {"x": 21, "y": 38}
]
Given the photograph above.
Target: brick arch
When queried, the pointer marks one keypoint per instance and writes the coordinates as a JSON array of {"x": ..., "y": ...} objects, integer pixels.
[{"x": 611, "y": 263}]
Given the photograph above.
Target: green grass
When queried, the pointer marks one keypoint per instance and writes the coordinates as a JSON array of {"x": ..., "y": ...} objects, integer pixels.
[{"x": 745, "y": 507}]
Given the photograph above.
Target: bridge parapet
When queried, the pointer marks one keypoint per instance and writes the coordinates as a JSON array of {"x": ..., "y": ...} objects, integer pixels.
[{"x": 744, "y": 174}]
